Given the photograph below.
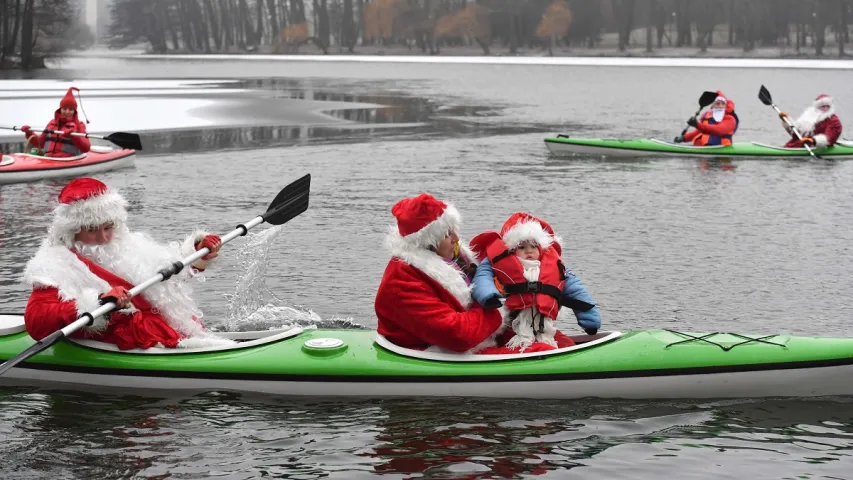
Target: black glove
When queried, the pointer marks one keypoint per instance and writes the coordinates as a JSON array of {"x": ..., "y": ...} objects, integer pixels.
[
  {"x": 678, "y": 139},
  {"x": 692, "y": 122},
  {"x": 590, "y": 331},
  {"x": 493, "y": 303}
]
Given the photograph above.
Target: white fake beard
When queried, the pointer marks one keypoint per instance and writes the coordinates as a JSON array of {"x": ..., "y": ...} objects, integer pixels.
[
  {"x": 807, "y": 120},
  {"x": 136, "y": 257},
  {"x": 718, "y": 114}
]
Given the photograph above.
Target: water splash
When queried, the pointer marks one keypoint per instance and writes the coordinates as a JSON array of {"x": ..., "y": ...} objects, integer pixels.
[{"x": 253, "y": 306}]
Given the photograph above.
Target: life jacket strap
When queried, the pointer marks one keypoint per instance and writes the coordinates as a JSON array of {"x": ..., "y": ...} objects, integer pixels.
[{"x": 533, "y": 287}]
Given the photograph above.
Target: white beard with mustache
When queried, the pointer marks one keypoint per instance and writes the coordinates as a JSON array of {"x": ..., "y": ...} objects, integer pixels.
[
  {"x": 136, "y": 257},
  {"x": 809, "y": 119},
  {"x": 718, "y": 114}
]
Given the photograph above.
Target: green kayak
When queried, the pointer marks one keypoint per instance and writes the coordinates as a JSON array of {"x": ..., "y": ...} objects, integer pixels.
[
  {"x": 360, "y": 363},
  {"x": 564, "y": 145}
]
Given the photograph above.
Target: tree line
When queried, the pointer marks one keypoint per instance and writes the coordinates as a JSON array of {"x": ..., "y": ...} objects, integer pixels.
[{"x": 34, "y": 30}]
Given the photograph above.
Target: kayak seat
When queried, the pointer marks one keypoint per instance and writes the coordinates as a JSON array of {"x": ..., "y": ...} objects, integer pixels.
[{"x": 582, "y": 342}]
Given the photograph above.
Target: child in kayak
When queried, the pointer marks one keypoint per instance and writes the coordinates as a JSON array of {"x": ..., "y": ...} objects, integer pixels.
[
  {"x": 524, "y": 260},
  {"x": 716, "y": 127},
  {"x": 60, "y": 142}
]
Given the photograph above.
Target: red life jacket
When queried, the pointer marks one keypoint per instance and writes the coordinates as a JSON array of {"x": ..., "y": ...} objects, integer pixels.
[{"x": 543, "y": 294}]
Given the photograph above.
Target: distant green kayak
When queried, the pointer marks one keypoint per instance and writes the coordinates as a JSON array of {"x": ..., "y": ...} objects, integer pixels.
[
  {"x": 564, "y": 145},
  {"x": 361, "y": 363}
]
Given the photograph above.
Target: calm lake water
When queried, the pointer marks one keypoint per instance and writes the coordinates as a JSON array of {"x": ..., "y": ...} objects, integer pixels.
[{"x": 758, "y": 246}]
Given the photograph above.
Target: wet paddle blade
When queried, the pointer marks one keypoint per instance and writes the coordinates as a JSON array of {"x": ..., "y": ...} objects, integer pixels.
[
  {"x": 764, "y": 96},
  {"x": 125, "y": 140},
  {"x": 37, "y": 347},
  {"x": 706, "y": 99},
  {"x": 290, "y": 202}
]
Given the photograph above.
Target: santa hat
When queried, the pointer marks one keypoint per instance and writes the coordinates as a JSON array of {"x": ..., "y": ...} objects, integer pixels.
[
  {"x": 721, "y": 97},
  {"x": 522, "y": 227},
  {"x": 423, "y": 221},
  {"x": 85, "y": 202},
  {"x": 68, "y": 101},
  {"x": 823, "y": 99}
]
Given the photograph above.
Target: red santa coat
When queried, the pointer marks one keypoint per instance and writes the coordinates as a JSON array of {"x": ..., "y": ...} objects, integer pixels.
[
  {"x": 825, "y": 133},
  {"x": 423, "y": 301},
  {"x": 66, "y": 285}
]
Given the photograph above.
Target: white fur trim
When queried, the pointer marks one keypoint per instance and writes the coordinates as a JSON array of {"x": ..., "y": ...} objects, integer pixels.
[
  {"x": 531, "y": 231},
  {"x": 188, "y": 245},
  {"x": 435, "y": 231},
  {"x": 820, "y": 141},
  {"x": 68, "y": 219},
  {"x": 431, "y": 264},
  {"x": 525, "y": 335},
  {"x": 824, "y": 101}
]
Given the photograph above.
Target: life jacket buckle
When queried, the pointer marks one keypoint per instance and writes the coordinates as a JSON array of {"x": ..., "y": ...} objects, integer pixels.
[{"x": 533, "y": 287}]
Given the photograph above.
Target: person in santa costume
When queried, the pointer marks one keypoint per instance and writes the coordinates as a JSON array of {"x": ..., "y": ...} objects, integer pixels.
[
  {"x": 717, "y": 126},
  {"x": 61, "y": 143},
  {"x": 90, "y": 257},
  {"x": 818, "y": 125},
  {"x": 424, "y": 299},
  {"x": 524, "y": 261}
]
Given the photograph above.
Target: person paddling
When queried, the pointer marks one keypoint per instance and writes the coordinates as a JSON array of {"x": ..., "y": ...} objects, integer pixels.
[
  {"x": 716, "y": 126},
  {"x": 90, "y": 257},
  {"x": 818, "y": 125},
  {"x": 57, "y": 140}
]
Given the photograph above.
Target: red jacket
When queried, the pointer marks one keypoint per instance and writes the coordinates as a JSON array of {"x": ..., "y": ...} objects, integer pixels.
[
  {"x": 825, "y": 134},
  {"x": 60, "y": 146},
  {"x": 46, "y": 312},
  {"x": 415, "y": 311}
]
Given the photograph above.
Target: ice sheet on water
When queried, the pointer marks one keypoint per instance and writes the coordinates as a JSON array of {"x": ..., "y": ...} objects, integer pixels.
[{"x": 254, "y": 307}]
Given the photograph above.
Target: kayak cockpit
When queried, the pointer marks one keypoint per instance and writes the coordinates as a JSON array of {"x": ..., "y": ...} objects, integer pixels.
[
  {"x": 581, "y": 342},
  {"x": 242, "y": 340}
]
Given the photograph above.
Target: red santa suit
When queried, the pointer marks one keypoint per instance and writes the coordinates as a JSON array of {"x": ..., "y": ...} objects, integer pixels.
[
  {"x": 823, "y": 126},
  {"x": 67, "y": 277},
  {"x": 424, "y": 301}
]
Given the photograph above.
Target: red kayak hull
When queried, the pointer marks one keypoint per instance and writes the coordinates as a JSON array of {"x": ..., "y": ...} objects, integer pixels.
[{"x": 24, "y": 167}]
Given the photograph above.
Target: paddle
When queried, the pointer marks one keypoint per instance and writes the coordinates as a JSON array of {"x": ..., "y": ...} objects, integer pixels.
[
  {"x": 122, "y": 139},
  {"x": 289, "y": 203},
  {"x": 707, "y": 98},
  {"x": 764, "y": 96}
]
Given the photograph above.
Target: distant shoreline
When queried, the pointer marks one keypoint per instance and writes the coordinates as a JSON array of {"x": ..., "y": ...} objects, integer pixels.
[{"x": 603, "y": 59}]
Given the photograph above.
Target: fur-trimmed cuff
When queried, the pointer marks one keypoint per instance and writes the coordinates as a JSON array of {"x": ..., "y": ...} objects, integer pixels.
[
  {"x": 820, "y": 141},
  {"x": 89, "y": 302},
  {"x": 188, "y": 245}
]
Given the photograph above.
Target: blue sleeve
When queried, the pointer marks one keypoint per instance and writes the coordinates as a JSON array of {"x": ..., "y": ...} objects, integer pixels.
[
  {"x": 483, "y": 284},
  {"x": 575, "y": 290}
]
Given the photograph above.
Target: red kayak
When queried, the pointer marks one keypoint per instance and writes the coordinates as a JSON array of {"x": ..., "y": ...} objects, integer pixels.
[{"x": 25, "y": 167}]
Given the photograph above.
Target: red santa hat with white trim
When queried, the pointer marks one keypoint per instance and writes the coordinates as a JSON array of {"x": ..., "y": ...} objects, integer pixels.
[
  {"x": 523, "y": 227},
  {"x": 85, "y": 202},
  {"x": 424, "y": 220},
  {"x": 823, "y": 99}
]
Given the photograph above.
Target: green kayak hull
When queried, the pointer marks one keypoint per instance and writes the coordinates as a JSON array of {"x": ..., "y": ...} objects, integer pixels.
[
  {"x": 359, "y": 363},
  {"x": 564, "y": 145}
]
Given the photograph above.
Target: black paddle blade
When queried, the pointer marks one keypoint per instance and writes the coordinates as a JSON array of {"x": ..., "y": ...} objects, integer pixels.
[
  {"x": 764, "y": 96},
  {"x": 125, "y": 140},
  {"x": 707, "y": 98},
  {"x": 33, "y": 349},
  {"x": 290, "y": 202}
]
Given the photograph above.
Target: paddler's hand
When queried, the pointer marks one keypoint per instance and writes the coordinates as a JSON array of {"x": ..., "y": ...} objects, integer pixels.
[
  {"x": 590, "y": 331},
  {"x": 118, "y": 295},
  {"x": 65, "y": 133},
  {"x": 808, "y": 141},
  {"x": 783, "y": 116},
  {"x": 692, "y": 122},
  {"x": 678, "y": 139},
  {"x": 212, "y": 243},
  {"x": 492, "y": 303}
]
